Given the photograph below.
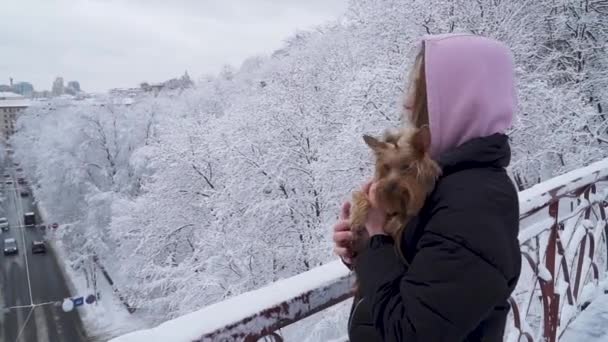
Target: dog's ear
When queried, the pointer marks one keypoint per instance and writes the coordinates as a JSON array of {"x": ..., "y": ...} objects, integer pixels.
[
  {"x": 375, "y": 144},
  {"x": 421, "y": 140}
]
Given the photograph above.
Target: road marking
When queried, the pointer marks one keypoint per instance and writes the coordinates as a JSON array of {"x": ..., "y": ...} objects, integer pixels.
[
  {"x": 42, "y": 328},
  {"x": 19, "y": 209},
  {"x": 24, "y": 324},
  {"x": 16, "y": 307},
  {"x": 20, "y": 226},
  {"x": 30, "y": 305},
  {"x": 58, "y": 324},
  {"x": 19, "y": 315}
]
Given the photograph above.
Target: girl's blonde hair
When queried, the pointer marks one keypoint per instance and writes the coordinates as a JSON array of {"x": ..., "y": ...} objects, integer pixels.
[
  {"x": 417, "y": 110},
  {"x": 417, "y": 106}
]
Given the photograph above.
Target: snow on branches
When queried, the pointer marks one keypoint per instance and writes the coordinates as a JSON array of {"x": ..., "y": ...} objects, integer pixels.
[{"x": 191, "y": 197}]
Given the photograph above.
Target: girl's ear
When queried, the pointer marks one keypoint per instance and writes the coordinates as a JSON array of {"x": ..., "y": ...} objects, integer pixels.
[
  {"x": 421, "y": 140},
  {"x": 376, "y": 145}
]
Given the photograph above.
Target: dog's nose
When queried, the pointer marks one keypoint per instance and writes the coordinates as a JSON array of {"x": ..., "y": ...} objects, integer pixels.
[{"x": 391, "y": 186}]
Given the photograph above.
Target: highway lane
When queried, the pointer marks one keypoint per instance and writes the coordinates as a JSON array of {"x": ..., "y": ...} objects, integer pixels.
[
  {"x": 40, "y": 323},
  {"x": 14, "y": 280}
]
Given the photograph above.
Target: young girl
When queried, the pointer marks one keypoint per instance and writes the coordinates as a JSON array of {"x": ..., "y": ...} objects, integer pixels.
[{"x": 462, "y": 257}]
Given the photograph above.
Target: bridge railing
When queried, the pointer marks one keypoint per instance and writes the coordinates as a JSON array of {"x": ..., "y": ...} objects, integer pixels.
[{"x": 563, "y": 237}]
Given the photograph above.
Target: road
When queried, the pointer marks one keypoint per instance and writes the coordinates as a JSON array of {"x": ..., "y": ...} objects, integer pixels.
[{"x": 27, "y": 322}]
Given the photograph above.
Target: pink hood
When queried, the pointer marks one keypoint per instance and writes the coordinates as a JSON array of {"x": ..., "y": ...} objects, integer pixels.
[{"x": 470, "y": 86}]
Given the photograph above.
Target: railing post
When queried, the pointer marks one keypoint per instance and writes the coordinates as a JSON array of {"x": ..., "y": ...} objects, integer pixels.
[
  {"x": 583, "y": 244},
  {"x": 602, "y": 207},
  {"x": 551, "y": 301}
]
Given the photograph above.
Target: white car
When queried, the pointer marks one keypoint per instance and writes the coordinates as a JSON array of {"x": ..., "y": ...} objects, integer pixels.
[
  {"x": 10, "y": 246},
  {"x": 4, "y": 224}
]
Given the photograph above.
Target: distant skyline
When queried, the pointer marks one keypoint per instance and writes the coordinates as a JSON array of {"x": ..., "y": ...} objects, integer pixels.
[{"x": 106, "y": 44}]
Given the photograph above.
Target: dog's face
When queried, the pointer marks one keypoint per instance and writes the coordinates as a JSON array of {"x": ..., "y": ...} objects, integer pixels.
[{"x": 404, "y": 171}]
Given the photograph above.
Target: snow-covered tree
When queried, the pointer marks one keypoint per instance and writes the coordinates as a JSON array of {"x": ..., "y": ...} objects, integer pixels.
[{"x": 201, "y": 193}]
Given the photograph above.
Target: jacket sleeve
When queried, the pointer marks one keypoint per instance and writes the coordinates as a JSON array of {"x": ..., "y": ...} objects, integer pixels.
[{"x": 446, "y": 291}]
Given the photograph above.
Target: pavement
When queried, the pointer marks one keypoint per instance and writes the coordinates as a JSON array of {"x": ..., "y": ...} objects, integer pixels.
[
  {"x": 31, "y": 285},
  {"x": 591, "y": 325}
]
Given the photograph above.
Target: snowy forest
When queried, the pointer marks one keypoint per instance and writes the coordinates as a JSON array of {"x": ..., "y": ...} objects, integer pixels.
[{"x": 192, "y": 196}]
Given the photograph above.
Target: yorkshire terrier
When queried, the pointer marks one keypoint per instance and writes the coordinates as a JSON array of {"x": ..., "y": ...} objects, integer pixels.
[{"x": 405, "y": 175}]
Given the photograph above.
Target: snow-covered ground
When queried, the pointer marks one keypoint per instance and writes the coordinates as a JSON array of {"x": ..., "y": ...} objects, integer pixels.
[
  {"x": 591, "y": 325},
  {"x": 330, "y": 280},
  {"x": 107, "y": 317},
  {"x": 330, "y": 324},
  {"x": 192, "y": 197}
]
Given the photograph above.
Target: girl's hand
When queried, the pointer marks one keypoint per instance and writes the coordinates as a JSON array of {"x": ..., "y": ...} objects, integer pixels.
[
  {"x": 376, "y": 217},
  {"x": 342, "y": 235}
]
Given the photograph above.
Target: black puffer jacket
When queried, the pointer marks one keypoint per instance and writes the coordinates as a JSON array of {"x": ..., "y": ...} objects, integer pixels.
[{"x": 463, "y": 255}]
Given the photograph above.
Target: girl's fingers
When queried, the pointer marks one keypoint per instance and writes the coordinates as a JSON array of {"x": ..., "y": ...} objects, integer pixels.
[
  {"x": 366, "y": 187},
  {"x": 341, "y": 226},
  {"x": 343, "y": 238},
  {"x": 345, "y": 211},
  {"x": 343, "y": 253},
  {"x": 372, "y": 194}
]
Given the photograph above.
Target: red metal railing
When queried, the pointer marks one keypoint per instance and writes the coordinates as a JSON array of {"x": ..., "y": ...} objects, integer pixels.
[
  {"x": 564, "y": 254},
  {"x": 563, "y": 235}
]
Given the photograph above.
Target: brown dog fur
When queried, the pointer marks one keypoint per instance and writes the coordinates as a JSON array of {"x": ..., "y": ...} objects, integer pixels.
[{"x": 405, "y": 174}]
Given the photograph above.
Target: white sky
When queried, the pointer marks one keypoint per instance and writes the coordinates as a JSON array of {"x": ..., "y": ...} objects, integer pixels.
[{"x": 119, "y": 43}]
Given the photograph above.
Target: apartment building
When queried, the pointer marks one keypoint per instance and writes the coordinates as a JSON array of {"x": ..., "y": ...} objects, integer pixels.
[{"x": 10, "y": 106}]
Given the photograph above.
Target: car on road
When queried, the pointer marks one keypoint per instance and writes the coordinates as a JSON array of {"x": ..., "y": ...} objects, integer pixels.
[
  {"x": 29, "y": 219},
  {"x": 4, "y": 224},
  {"x": 9, "y": 182},
  {"x": 24, "y": 193},
  {"x": 6, "y": 175},
  {"x": 15, "y": 163},
  {"x": 21, "y": 180},
  {"x": 38, "y": 246},
  {"x": 19, "y": 169},
  {"x": 10, "y": 246}
]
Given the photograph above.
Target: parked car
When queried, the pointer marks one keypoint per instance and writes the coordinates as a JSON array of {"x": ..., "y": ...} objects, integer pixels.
[
  {"x": 29, "y": 219},
  {"x": 19, "y": 169},
  {"x": 24, "y": 193},
  {"x": 4, "y": 224},
  {"x": 21, "y": 180},
  {"x": 10, "y": 246},
  {"x": 6, "y": 175},
  {"x": 38, "y": 246},
  {"x": 15, "y": 163},
  {"x": 9, "y": 182}
]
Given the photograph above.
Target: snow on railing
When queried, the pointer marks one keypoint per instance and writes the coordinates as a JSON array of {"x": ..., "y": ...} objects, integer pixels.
[{"x": 564, "y": 252}]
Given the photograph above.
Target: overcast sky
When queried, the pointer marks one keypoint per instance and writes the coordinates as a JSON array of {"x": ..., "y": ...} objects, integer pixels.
[{"x": 119, "y": 43}]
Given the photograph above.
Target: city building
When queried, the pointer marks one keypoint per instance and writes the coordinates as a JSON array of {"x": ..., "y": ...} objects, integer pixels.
[
  {"x": 23, "y": 88},
  {"x": 58, "y": 88},
  {"x": 11, "y": 105},
  {"x": 74, "y": 86}
]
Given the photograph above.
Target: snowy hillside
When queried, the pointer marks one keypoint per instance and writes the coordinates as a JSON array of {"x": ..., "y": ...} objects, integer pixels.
[{"x": 193, "y": 196}]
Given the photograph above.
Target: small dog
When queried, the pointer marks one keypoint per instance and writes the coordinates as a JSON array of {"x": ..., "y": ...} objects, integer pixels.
[{"x": 405, "y": 175}]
